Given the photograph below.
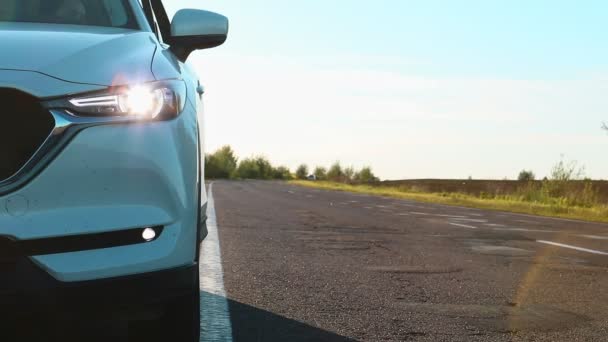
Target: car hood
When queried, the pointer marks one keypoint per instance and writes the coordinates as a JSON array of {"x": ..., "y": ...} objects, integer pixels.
[{"x": 79, "y": 54}]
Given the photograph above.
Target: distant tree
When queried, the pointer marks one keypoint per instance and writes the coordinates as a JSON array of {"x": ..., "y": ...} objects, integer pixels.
[
  {"x": 526, "y": 175},
  {"x": 266, "y": 169},
  {"x": 605, "y": 126},
  {"x": 281, "y": 173},
  {"x": 247, "y": 169},
  {"x": 221, "y": 163},
  {"x": 254, "y": 168},
  {"x": 320, "y": 173},
  {"x": 365, "y": 175},
  {"x": 302, "y": 172},
  {"x": 335, "y": 173},
  {"x": 349, "y": 174}
]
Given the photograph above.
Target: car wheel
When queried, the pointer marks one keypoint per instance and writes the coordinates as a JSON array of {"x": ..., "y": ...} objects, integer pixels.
[
  {"x": 179, "y": 321},
  {"x": 182, "y": 319}
]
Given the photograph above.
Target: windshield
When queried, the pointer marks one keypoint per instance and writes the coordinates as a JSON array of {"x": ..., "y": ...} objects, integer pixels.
[{"x": 109, "y": 13}]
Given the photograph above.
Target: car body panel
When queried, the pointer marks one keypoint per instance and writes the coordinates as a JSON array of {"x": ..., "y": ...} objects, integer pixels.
[
  {"x": 165, "y": 65},
  {"x": 41, "y": 85},
  {"x": 110, "y": 56}
]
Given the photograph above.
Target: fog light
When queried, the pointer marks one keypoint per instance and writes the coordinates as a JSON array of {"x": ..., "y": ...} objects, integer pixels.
[{"x": 148, "y": 234}]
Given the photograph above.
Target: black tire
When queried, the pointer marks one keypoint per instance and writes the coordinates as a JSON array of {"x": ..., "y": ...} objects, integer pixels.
[
  {"x": 179, "y": 322},
  {"x": 182, "y": 320}
]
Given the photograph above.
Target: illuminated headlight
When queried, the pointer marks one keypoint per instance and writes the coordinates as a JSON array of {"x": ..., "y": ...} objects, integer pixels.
[{"x": 157, "y": 100}]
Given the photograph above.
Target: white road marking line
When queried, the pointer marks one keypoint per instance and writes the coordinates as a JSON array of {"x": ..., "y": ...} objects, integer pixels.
[
  {"x": 455, "y": 217},
  {"x": 553, "y": 219},
  {"x": 215, "y": 316},
  {"x": 527, "y": 230},
  {"x": 469, "y": 220},
  {"x": 463, "y": 225},
  {"x": 413, "y": 206},
  {"x": 594, "y": 237},
  {"x": 581, "y": 249},
  {"x": 493, "y": 224},
  {"x": 403, "y": 214}
]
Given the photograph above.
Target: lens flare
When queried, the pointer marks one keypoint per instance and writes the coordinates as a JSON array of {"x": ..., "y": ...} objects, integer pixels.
[{"x": 141, "y": 101}]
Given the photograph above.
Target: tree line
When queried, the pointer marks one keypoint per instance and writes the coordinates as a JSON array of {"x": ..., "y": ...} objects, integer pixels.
[
  {"x": 224, "y": 164},
  {"x": 337, "y": 173}
]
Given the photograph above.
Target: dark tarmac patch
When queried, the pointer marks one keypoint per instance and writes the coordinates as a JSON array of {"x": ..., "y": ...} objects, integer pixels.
[
  {"x": 559, "y": 260},
  {"x": 332, "y": 239},
  {"x": 325, "y": 229},
  {"x": 361, "y": 230},
  {"x": 577, "y": 268},
  {"x": 347, "y": 245},
  {"x": 415, "y": 269},
  {"x": 501, "y": 250},
  {"x": 503, "y": 318},
  {"x": 499, "y": 235}
]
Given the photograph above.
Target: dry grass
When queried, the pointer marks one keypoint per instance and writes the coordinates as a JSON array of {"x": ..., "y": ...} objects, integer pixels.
[{"x": 597, "y": 212}]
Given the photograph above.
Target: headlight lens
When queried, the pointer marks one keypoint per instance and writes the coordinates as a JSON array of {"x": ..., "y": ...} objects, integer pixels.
[{"x": 157, "y": 100}]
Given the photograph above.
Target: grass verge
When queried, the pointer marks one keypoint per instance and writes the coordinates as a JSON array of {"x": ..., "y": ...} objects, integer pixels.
[{"x": 597, "y": 213}]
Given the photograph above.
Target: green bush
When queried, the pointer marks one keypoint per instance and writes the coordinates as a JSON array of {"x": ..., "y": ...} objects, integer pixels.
[
  {"x": 530, "y": 192},
  {"x": 302, "y": 172},
  {"x": 335, "y": 173},
  {"x": 564, "y": 187},
  {"x": 281, "y": 173},
  {"x": 526, "y": 176},
  {"x": 349, "y": 174},
  {"x": 254, "y": 168},
  {"x": 320, "y": 173},
  {"x": 221, "y": 163},
  {"x": 365, "y": 175}
]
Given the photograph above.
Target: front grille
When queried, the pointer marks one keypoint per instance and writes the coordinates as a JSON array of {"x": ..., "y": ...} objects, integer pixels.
[{"x": 24, "y": 126}]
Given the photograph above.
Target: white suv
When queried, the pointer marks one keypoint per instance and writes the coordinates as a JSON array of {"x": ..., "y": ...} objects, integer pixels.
[{"x": 102, "y": 201}]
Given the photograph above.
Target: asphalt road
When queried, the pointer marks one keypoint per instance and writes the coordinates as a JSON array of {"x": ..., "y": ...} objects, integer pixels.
[{"x": 301, "y": 264}]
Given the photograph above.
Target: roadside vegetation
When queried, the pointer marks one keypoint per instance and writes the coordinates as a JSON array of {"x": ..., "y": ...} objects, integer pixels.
[
  {"x": 564, "y": 193},
  {"x": 224, "y": 164}
]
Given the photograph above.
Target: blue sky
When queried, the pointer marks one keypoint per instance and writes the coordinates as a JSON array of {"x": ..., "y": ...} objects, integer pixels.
[{"x": 416, "y": 89}]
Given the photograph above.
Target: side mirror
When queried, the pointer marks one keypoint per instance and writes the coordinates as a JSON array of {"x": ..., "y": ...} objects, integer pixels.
[{"x": 196, "y": 30}]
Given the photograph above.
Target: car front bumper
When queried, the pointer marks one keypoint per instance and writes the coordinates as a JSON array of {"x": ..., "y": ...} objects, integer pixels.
[{"x": 107, "y": 179}]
